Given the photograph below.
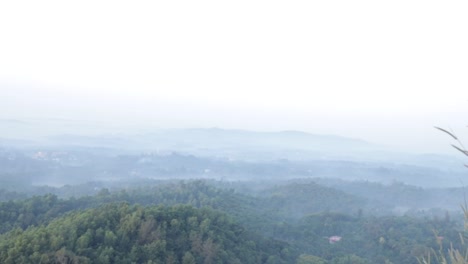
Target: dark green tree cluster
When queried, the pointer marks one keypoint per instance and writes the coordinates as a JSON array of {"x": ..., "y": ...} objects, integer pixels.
[
  {"x": 134, "y": 234},
  {"x": 84, "y": 235},
  {"x": 33, "y": 211},
  {"x": 388, "y": 239},
  {"x": 296, "y": 200},
  {"x": 41, "y": 209}
]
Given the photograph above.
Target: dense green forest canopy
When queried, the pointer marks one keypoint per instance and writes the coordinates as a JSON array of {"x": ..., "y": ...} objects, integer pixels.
[
  {"x": 283, "y": 223},
  {"x": 120, "y": 233}
]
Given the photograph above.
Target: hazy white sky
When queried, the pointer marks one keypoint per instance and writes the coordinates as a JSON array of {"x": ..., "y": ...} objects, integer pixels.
[{"x": 386, "y": 71}]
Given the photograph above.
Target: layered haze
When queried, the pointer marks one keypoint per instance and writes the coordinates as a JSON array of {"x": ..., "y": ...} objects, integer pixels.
[
  {"x": 382, "y": 72},
  {"x": 233, "y": 131},
  {"x": 345, "y": 86}
]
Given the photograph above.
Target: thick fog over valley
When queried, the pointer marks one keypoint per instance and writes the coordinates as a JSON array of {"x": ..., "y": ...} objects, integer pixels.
[{"x": 226, "y": 155}]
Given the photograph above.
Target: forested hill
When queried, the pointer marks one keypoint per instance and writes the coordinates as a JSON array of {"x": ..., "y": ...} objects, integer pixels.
[
  {"x": 296, "y": 200},
  {"x": 290, "y": 201},
  {"x": 289, "y": 223},
  {"x": 134, "y": 234}
]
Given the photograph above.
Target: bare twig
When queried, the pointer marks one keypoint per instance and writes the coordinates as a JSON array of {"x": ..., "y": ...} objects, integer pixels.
[
  {"x": 449, "y": 133},
  {"x": 462, "y": 150},
  {"x": 460, "y": 146}
]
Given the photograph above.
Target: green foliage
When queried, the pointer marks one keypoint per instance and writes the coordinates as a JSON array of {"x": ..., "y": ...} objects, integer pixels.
[
  {"x": 309, "y": 259},
  {"x": 47, "y": 228},
  {"x": 349, "y": 259},
  {"x": 377, "y": 239},
  {"x": 125, "y": 234},
  {"x": 452, "y": 255},
  {"x": 296, "y": 200}
]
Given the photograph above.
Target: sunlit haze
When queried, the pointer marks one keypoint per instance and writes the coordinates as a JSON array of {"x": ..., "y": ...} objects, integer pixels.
[{"x": 382, "y": 71}]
